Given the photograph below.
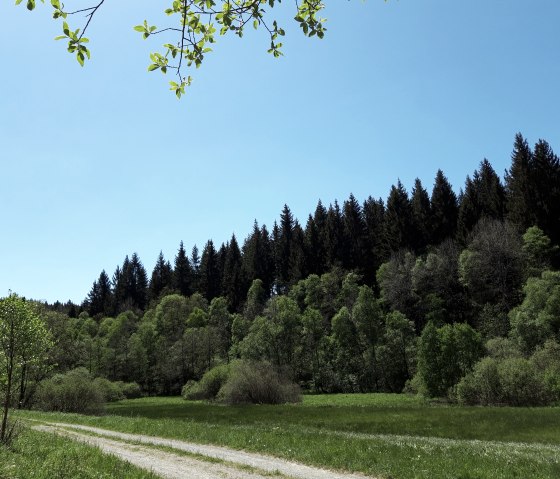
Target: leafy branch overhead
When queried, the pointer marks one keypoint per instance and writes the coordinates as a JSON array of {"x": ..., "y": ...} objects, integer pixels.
[{"x": 194, "y": 28}]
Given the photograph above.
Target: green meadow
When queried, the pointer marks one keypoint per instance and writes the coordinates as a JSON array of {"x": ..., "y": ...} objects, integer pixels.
[{"x": 381, "y": 435}]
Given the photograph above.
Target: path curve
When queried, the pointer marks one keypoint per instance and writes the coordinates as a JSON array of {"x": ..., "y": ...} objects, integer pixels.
[{"x": 164, "y": 463}]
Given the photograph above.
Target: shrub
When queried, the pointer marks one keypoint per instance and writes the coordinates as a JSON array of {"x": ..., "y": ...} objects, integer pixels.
[
  {"x": 521, "y": 383},
  {"x": 482, "y": 385},
  {"x": 210, "y": 384},
  {"x": 70, "y": 392},
  {"x": 130, "y": 390},
  {"x": 511, "y": 381},
  {"x": 109, "y": 390},
  {"x": 258, "y": 383}
]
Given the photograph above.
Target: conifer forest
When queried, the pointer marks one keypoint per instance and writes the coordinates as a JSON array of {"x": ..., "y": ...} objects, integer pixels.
[{"x": 437, "y": 292}]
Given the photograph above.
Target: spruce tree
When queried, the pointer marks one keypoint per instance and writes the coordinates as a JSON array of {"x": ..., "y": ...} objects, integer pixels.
[
  {"x": 283, "y": 248},
  {"x": 398, "y": 218},
  {"x": 139, "y": 285},
  {"x": 320, "y": 221},
  {"x": 491, "y": 192},
  {"x": 298, "y": 267},
  {"x": 444, "y": 209},
  {"x": 161, "y": 279},
  {"x": 376, "y": 243},
  {"x": 354, "y": 235},
  {"x": 421, "y": 215},
  {"x": 519, "y": 203},
  {"x": 545, "y": 182},
  {"x": 258, "y": 258},
  {"x": 195, "y": 268},
  {"x": 233, "y": 286},
  {"x": 484, "y": 197},
  {"x": 210, "y": 281},
  {"x": 182, "y": 273},
  {"x": 334, "y": 236}
]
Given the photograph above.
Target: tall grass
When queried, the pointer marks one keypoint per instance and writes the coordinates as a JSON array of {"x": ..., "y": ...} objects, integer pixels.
[
  {"x": 379, "y": 435},
  {"x": 37, "y": 455}
]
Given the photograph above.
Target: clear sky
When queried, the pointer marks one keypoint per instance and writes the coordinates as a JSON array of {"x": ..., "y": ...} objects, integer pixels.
[{"x": 102, "y": 161}]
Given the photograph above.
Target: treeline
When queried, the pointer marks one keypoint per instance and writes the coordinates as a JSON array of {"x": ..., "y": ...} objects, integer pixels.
[
  {"x": 412, "y": 293},
  {"x": 353, "y": 237}
]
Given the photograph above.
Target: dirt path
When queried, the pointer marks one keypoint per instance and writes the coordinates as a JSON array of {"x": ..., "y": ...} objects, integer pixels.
[{"x": 176, "y": 466}]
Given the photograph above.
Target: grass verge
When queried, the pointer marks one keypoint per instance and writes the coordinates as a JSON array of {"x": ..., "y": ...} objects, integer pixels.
[{"x": 38, "y": 455}]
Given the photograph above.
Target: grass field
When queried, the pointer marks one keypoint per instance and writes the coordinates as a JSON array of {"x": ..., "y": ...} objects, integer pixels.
[
  {"x": 380, "y": 435},
  {"x": 38, "y": 455}
]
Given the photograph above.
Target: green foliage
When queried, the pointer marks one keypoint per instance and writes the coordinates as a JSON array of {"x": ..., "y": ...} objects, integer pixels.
[
  {"x": 71, "y": 392},
  {"x": 197, "y": 25},
  {"x": 24, "y": 340},
  {"x": 109, "y": 390},
  {"x": 508, "y": 379},
  {"x": 537, "y": 318},
  {"x": 243, "y": 382},
  {"x": 258, "y": 383},
  {"x": 445, "y": 355},
  {"x": 491, "y": 267},
  {"x": 210, "y": 384},
  {"x": 538, "y": 250}
]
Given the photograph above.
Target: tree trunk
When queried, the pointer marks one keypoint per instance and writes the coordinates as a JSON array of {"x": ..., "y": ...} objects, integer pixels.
[{"x": 3, "y": 429}]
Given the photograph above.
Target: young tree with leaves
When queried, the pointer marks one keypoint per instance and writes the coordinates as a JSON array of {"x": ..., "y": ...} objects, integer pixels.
[{"x": 23, "y": 340}]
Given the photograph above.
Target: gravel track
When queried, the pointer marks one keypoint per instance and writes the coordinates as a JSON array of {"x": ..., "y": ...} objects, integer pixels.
[{"x": 176, "y": 466}]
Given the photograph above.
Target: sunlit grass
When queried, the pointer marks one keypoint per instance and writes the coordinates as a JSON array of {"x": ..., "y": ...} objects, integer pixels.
[
  {"x": 38, "y": 455},
  {"x": 380, "y": 435}
]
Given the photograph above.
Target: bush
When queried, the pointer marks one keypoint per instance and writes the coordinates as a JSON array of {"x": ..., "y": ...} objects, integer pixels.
[
  {"x": 258, "y": 383},
  {"x": 130, "y": 390},
  {"x": 70, "y": 392},
  {"x": 521, "y": 383},
  {"x": 110, "y": 391},
  {"x": 509, "y": 381},
  {"x": 482, "y": 385},
  {"x": 210, "y": 384}
]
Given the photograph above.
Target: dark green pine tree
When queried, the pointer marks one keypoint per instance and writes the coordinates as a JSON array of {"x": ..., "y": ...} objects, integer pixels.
[
  {"x": 233, "y": 285},
  {"x": 469, "y": 210},
  {"x": 195, "y": 269},
  {"x": 444, "y": 210},
  {"x": 354, "y": 230},
  {"x": 139, "y": 290},
  {"x": 121, "y": 287},
  {"x": 545, "y": 182},
  {"x": 130, "y": 285},
  {"x": 222, "y": 253},
  {"x": 376, "y": 241},
  {"x": 210, "y": 281},
  {"x": 421, "y": 216},
  {"x": 398, "y": 219},
  {"x": 320, "y": 221},
  {"x": 100, "y": 299},
  {"x": 298, "y": 267},
  {"x": 266, "y": 263},
  {"x": 519, "y": 203},
  {"x": 491, "y": 192},
  {"x": 484, "y": 197},
  {"x": 161, "y": 279},
  {"x": 314, "y": 249},
  {"x": 283, "y": 249},
  {"x": 334, "y": 236},
  {"x": 258, "y": 258},
  {"x": 182, "y": 273}
]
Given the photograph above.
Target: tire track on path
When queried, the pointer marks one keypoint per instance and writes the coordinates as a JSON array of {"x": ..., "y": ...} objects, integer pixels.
[{"x": 176, "y": 466}]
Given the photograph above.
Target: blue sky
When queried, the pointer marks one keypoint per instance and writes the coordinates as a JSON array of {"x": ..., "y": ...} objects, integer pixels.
[{"x": 102, "y": 161}]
